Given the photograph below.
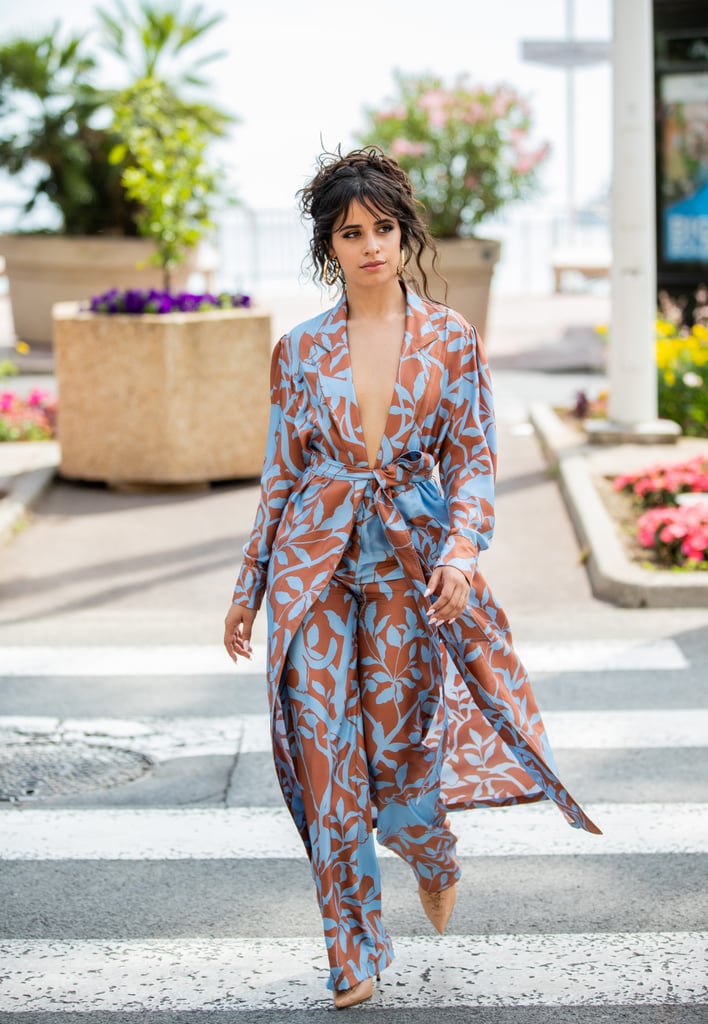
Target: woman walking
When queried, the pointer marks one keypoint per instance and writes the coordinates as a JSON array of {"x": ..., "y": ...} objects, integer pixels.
[{"x": 394, "y": 689}]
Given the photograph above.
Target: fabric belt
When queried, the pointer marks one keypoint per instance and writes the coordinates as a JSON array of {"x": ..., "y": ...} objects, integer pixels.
[
  {"x": 411, "y": 467},
  {"x": 408, "y": 469}
]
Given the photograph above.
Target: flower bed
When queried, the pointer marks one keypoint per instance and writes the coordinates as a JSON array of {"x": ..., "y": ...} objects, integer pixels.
[
  {"x": 27, "y": 419},
  {"x": 676, "y": 535},
  {"x": 659, "y": 485},
  {"x": 682, "y": 365}
]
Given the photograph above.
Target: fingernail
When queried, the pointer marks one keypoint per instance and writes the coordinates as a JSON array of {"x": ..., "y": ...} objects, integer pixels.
[{"x": 428, "y": 592}]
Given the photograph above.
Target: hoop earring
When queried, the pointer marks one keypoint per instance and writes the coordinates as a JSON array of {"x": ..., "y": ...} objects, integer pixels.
[
  {"x": 402, "y": 263},
  {"x": 330, "y": 271}
]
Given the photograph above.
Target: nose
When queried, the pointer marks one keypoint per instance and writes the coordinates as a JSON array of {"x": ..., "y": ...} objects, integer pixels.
[{"x": 371, "y": 243}]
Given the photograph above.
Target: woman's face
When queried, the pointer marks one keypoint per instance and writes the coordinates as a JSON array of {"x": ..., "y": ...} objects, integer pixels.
[{"x": 368, "y": 246}]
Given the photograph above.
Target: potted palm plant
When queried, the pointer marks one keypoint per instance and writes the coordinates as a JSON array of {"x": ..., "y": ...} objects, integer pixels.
[
  {"x": 59, "y": 139},
  {"x": 468, "y": 154}
]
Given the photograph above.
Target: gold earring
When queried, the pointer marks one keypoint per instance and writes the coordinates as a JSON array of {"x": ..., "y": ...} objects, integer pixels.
[
  {"x": 401, "y": 263},
  {"x": 330, "y": 271}
]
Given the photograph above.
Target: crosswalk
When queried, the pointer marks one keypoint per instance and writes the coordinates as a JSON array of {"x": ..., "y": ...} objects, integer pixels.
[{"x": 139, "y": 900}]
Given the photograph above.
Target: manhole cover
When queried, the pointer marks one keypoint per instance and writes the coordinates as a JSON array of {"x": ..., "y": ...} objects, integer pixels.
[{"x": 36, "y": 770}]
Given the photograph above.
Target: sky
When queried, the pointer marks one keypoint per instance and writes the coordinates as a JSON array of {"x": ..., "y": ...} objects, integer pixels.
[{"x": 299, "y": 73}]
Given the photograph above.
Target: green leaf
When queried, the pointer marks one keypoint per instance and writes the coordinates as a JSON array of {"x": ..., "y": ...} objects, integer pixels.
[{"x": 118, "y": 153}]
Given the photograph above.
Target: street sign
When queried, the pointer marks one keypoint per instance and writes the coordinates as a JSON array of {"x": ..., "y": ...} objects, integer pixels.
[{"x": 566, "y": 53}]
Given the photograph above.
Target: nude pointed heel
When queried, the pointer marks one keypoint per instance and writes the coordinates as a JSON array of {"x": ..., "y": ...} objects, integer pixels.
[
  {"x": 358, "y": 993},
  {"x": 438, "y": 906}
]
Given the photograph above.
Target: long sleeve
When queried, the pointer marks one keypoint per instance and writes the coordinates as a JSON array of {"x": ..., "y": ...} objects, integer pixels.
[
  {"x": 284, "y": 463},
  {"x": 468, "y": 454}
]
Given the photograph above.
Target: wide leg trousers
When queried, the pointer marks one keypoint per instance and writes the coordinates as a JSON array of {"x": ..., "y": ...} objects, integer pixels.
[{"x": 360, "y": 695}]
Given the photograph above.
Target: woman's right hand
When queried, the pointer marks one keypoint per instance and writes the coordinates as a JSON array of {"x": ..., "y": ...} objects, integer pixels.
[{"x": 237, "y": 631}]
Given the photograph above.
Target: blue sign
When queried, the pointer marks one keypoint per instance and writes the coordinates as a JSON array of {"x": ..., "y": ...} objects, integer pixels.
[{"x": 684, "y": 168}]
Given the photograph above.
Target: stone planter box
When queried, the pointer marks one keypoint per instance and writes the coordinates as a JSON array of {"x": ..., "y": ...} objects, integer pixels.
[
  {"x": 468, "y": 265},
  {"x": 180, "y": 398},
  {"x": 44, "y": 269}
]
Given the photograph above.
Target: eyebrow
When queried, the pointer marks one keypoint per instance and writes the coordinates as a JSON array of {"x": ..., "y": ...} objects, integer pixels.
[{"x": 348, "y": 227}]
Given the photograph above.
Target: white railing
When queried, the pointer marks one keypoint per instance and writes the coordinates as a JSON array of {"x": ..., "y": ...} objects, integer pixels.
[{"x": 267, "y": 249}]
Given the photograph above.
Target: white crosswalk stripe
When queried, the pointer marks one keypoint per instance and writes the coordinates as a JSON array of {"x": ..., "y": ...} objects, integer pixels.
[
  {"x": 204, "y": 973},
  {"x": 260, "y": 832},
  {"x": 182, "y": 660},
  {"x": 598, "y": 969},
  {"x": 164, "y": 738}
]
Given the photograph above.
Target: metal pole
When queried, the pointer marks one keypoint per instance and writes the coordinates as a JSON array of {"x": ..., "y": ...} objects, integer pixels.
[{"x": 633, "y": 393}]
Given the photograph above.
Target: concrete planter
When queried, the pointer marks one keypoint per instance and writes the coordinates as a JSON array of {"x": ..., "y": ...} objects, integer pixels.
[
  {"x": 175, "y": 399},
  {"x": 44, "y": 269},
  {"x": 468, "y": 265}
]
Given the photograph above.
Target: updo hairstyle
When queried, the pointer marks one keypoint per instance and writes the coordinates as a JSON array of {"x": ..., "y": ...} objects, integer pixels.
[{"x": 381, "y": 185}]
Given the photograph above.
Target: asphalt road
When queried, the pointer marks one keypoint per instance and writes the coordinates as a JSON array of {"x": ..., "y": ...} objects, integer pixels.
[{"x": 179, "y": 894}]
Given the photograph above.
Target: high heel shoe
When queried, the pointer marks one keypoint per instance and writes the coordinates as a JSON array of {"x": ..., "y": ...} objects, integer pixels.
[
  {"x": 438, "y": 906},
  {"x": 358, "y": 993}
]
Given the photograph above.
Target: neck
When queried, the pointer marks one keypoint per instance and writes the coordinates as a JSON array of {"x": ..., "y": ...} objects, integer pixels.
[{"x": 382, "y": 303}]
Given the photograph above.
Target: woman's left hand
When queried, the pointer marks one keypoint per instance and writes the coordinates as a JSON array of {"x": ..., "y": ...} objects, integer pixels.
[{"x": 452, "y": 594}]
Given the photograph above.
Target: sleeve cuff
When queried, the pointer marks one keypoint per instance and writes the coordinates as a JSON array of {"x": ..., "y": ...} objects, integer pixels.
[
  {"x": 250, "y": 586},
  {"x": 462, "y": 554}
]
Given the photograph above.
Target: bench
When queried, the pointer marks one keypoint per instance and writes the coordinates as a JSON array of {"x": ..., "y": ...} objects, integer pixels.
[{"x": 590, "y": 263}]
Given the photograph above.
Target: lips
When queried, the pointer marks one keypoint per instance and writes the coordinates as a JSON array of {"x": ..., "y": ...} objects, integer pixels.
[{"x": 373, "y": 264}]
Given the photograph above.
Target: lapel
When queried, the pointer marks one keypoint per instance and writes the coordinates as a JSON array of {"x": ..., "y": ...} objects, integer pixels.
[{"x": 335, "y": 373}]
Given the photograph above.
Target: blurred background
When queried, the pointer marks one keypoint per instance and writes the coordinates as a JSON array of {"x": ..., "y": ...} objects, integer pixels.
[{"x": 298, "y": 78}]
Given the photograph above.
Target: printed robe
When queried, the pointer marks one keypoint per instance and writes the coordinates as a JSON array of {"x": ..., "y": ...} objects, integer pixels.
[{"x": 315, "y": 471}]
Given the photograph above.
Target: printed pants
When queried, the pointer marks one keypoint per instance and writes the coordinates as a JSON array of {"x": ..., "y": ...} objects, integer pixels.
[{"x": 360, "y": 695}]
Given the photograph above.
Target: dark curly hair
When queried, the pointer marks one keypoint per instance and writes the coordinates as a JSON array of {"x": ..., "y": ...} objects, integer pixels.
[{"x": 381, "y": 185}]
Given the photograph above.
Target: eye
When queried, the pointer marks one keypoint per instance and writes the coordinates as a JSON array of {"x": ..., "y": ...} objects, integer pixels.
[
  {"x": 350, "y": 234},
  {"x": 386, "y": 227}
]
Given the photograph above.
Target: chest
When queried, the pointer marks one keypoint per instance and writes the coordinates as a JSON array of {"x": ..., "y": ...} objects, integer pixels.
[{"x": 374, "y": 353}]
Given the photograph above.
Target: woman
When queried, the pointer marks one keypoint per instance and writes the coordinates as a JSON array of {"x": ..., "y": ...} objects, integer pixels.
[{"x": 394, "y": 689}]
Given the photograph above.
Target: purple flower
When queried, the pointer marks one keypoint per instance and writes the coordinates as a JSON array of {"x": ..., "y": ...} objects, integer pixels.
[{"x": 136, "y": 301}]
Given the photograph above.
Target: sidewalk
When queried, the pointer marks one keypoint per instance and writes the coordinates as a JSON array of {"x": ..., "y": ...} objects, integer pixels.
[{"x": 95, "y": 566}]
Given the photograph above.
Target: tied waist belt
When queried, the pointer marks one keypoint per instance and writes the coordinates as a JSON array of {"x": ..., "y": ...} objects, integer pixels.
[{"x": 409, "y": 468}]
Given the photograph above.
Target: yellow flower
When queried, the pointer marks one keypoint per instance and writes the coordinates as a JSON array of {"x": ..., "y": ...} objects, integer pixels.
[
  {"x": 22, "y": 347},
  {"x": 700, "y": 332},
  {"x": 601, "y": 329},
  {"x": 669, "y": 377},
  {"x": 665, "y": 329}
]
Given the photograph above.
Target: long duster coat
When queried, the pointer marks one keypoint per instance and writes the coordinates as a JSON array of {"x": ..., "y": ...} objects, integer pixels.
[{"x": 314, "y": 476}]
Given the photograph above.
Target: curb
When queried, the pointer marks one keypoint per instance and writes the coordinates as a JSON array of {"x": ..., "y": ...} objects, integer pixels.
[
  {"x": 22, "y": 489},
  {"x": 613, "y": 576}
]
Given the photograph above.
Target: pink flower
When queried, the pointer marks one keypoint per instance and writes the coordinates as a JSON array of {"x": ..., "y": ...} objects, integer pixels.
[
  {"x": 38, "y": 396},
  {"x": 672, "y": 532},
  {"x": 524, "y": 163},
  {"x": 474, "y": 112},
  {"x": 501, "y": 103},
  {"x": 683, "y": 530},
  {"x": 7, "y": 400},
  {"x": 433, "y": 98},
  {"x": 404, "y": 147},
  {"x": 396, "y": 114}
]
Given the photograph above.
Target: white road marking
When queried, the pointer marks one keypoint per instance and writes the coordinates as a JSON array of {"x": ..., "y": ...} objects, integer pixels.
[
  {"x": 197, "y": 736},
  {"x": 182, "y": 975},
  {"x": 182, "y": 660},
  {"x": 28, "y": 833}
]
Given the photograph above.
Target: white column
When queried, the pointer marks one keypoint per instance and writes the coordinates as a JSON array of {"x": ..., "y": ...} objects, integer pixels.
[{"x": 632, "y": 369}]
